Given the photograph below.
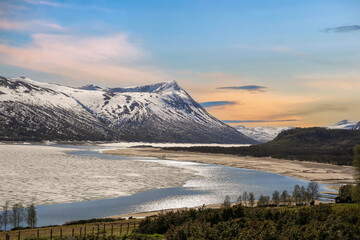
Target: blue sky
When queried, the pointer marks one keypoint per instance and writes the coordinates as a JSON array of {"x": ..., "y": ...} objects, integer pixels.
[{"x": 306, "y": 54}]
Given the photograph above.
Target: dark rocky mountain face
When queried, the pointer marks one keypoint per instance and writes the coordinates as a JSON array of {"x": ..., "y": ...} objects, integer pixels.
[{"x": 163, "y": 112}]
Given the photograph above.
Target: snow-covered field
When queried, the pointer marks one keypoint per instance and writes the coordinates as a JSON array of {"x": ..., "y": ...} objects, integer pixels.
[
  {"x": 161, "y": 145},
  {"x": 51, "y": 176}
]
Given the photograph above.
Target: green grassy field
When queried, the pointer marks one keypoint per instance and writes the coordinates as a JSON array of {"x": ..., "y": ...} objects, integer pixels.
[{"x": 121, "y": 229}]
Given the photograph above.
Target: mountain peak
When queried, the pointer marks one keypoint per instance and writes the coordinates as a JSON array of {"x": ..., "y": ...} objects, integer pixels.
[
  {"x": 161, "y": 112},
  {"x": 90, "y": 87},
  {"x": 344, "y": 124},
  {"x": 171, "y": 86}
]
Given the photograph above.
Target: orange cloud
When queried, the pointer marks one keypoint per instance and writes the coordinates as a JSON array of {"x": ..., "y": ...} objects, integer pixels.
[
  {"x": 110, "y": 58},
  {"x": 269, "y": 106}
]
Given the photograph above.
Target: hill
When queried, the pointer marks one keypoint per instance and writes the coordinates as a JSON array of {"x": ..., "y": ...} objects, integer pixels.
[
  {"x": 305, "y": 144},
  {"x": 162, "y": 112}
]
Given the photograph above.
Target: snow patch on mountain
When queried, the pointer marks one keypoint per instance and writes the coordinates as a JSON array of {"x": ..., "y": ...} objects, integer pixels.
[
  {"x": 346, "y": 124},
  {"x": 261, "y": 134},
  {"x": 162, "y": 112}
]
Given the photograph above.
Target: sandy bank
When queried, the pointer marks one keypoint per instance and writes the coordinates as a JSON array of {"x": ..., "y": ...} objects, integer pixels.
[{"x": 319, "y": 172}]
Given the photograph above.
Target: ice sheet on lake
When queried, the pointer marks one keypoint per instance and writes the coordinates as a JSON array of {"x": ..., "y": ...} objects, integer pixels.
[{"x": 51, "y": 176}]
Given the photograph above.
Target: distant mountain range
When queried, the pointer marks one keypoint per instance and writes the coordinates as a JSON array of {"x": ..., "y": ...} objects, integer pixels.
[
  {"x": 265, "y": 133},
  {"x": 163, "y": 112}
]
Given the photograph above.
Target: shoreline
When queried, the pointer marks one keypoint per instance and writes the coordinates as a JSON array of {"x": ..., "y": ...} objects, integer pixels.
[{"x": 319, "y": 172}]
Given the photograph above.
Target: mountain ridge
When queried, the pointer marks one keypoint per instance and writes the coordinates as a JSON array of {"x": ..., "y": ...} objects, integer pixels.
[{"x": 162, "y": 112}]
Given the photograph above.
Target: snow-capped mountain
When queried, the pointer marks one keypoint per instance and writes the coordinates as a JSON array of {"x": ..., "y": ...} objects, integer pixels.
[
  {"x": 162, "y": 112},
  {"x": 346, "y": 124},
  {"x": 261, "y": 134}
]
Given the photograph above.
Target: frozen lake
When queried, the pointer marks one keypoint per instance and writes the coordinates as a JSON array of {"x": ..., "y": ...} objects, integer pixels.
[{"x": 79, "y": 182}]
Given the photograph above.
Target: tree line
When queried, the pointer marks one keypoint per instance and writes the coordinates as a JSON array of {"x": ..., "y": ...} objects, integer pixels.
[
  {"x": 351, "y": 193},
  {"x": 239, "y": 222},
  {"x": 315, "y": 144},
  {"x": 17, "y": 214},
  {"x": 299, "y": 196}
]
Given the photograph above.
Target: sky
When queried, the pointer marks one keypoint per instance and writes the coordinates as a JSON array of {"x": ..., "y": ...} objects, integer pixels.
[{"x": 253, "y": 63}]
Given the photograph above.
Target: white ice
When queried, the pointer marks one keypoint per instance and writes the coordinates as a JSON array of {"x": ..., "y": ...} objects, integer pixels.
[{"x": 52, "y": 176}]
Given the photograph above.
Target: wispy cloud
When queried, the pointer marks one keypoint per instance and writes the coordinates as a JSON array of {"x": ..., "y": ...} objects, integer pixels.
[
  {"x": 43, "y": 2},
  {"x": 259, "y": 121},
  {"x": 343, "y": 29},
  {"x": 311, "y": 110},
  {"x": 58, "y": 4},
  {"x": 216, "y": 103},
  {"x": 251, "y": 88},
  {"x": 276, "y": 49},
  {"x": 29, "y": 25},
  {"x": 107, "y": 58},
  {"x": 284, "y": 50},
  {"x": 348, "y": 81}
]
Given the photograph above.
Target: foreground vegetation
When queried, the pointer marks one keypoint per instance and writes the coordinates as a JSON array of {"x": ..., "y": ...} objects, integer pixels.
[
  {"x": 84, "y": 229},
  {"x": 238, "y": 222},
  {"x": 305, "y": 144}
]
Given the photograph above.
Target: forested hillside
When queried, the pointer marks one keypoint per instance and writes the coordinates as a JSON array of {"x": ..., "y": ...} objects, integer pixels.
[{"x": 304, "y": 144}]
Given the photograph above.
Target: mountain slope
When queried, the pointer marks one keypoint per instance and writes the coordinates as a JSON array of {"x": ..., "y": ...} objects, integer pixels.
[
  {"x": 162, "y": 112},
  {"x": 261, "y": 134},
  {"x": 346, "y": 124},
  {"x": 305, "y": 144}
]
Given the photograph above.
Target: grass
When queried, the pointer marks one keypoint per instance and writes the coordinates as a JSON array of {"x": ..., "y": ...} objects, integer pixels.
[
  {"x": 118, "y": 229},
  {"x": 114, "y": 228}
]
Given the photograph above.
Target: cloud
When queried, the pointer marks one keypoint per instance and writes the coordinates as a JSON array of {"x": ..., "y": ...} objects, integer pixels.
[
  {"x": 289, "y": 52},
  {"x": 277, "y": 49},
  {"x": 106, "y": 58},
  {"x": 312, "y": 110},
  {"x": 259, "y": 121},
  {"x": 347, "y": 81},
  {"x": 29, "y": 25},
  {"x": 84, "y": 7},
  {"x": 343, "y": 29},
  {"x": 251, "y": 88},
  {"x": 216, "y": 103},
  {"x": 42, "y": 2}
]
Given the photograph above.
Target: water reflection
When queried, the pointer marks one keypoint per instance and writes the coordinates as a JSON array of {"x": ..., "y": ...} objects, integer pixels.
[{"x": 210, "y": 186}]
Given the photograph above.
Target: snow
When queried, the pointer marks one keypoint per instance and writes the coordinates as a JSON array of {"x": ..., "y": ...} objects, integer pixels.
[
  {"x": 344, "y": 124},
  {"x": 261, "y": 134},
  {"x": 155, "y": 97},
  {"x": 51, "y": 176},
  {"x": 158, "y": 112},
  {"x": 163, "y": 145}
]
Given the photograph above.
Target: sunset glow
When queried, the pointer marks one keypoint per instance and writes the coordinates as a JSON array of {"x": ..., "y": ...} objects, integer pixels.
[{"x": 252, "y": 63}]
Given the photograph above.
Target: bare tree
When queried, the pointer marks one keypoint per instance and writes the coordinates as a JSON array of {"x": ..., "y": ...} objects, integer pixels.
[
  {"x": 303, "y": 194},
  {"x": 251, "y": 199},
  {"x": 31, "y": 218},
  {"x": 285, "y": 197},
  {"x": 263, "y": 200},
  {"x": 245, "y": 198},
  {"x": 239, "y": 200},
  {"x": 6, "y": 214},
  {"x": 276, "y": 197},
  {"x": 296, "y": 194},
  {"x": 355, "y": 193},
  {"x": 1, "y": 221},
  {"x": 17, "y": 214},
  {"x": 313, "y": 190},
  {"x": 226, "y": 202}
]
